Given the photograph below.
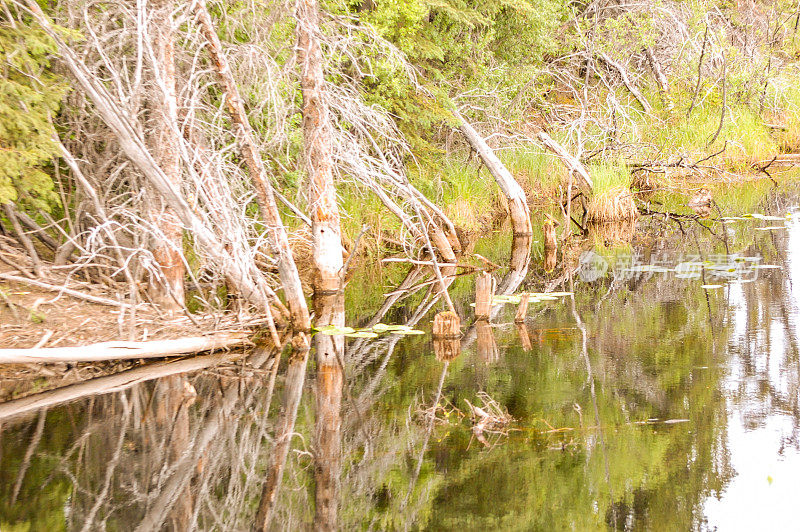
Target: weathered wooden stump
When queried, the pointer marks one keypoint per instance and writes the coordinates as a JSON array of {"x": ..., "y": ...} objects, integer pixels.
[
  {"x": 484, "y": 293},
  {"x": 446, "y": 325}
]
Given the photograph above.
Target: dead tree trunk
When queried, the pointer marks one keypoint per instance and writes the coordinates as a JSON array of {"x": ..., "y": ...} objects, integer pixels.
[
  {"x": 265, "y": 197},
  {"x": 327, "y": 253},
  {"x": 318, "y": 152},
  {"x": 517, "y": 203},
  {"x": 254, "y": 289},
  {"x": 571, "y": 162},
  {"x": 168, "y": 290},
  {"x": 626, "y": 80}
]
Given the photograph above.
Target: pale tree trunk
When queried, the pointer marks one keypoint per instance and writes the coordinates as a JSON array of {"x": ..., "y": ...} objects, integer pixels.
[
  {"x": 318, "y": 152},
  {"x": 166, "y": 290},
  {"x": 265, "y": 197},
  {"x": 328, "y": 293},
  {"x": 517, "y": 203}
]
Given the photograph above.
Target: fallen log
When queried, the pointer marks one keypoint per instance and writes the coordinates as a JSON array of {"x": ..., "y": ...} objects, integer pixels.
[
  {"x": 110, "y": 383},
  {"x": 571, "y": 162},
  {"x": 124, "y": 350}
]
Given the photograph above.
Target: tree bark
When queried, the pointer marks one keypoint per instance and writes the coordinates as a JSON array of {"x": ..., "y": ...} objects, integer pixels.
[
  {"x": 276, "y": 232},
  {"x": 517, "y": 203},
  {"x": 168, "y": 289}
]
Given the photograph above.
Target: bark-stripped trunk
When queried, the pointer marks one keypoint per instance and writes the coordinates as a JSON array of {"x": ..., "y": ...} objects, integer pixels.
[
  {"x": 168, "y": 290},
  {"x": 626, "y": 80},
  {"x": 661, "y": 79},
  {"x": 318, "y": 152},
  {"x": 328, "y": 294},
  {"x": 571, "y": 162},
  {"x": 265, "y": 197},
  {"x": 254, "y": 289},
  {"x": 517, "y": 203}
]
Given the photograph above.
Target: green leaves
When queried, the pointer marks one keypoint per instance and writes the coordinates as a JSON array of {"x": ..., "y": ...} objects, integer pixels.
[{"x": 29, "y": 94}]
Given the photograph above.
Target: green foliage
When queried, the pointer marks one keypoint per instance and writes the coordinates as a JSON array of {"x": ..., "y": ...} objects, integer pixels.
[{"x": 30, "y": 93}]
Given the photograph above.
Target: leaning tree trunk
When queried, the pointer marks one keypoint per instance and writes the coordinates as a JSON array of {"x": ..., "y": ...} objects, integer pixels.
[
  {"x": 253, "y": 289},
  {"x": 168, "y": 290},
  {"x": 517, "y": 203},
  {"x": 265, "y": 197}
]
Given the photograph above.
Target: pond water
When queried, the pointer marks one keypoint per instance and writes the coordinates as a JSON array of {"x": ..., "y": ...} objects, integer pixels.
[{"x": 661, "y": 391}]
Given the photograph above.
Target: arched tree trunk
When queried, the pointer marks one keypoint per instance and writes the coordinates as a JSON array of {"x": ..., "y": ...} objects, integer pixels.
[{"x": 517, "y": 203}]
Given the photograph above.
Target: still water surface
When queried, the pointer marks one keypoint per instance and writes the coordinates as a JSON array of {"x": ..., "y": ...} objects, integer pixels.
[{"x": 643, "y": 401}]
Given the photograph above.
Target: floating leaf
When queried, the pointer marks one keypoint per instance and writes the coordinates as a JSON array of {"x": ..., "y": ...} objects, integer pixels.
[
  {"x": 333, "y": 329},
  {"x": 362, "y": 334},
  {"x": 383, "y": 327}
]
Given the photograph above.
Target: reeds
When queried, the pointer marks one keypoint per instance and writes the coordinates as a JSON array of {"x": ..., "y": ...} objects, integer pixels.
[{"x": 612, "y": 205}]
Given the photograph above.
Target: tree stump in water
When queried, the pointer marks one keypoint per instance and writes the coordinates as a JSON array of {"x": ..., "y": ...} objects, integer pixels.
[
  {"x": 484, "y": 293},
  {"x": 446, "y": 325}
]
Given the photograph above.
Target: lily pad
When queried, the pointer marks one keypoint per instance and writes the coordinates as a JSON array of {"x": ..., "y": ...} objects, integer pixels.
[
  {"x": 332, "y": 329},
  {"x": 362, "y": 334},
  {"x": 383, "y": 327}
]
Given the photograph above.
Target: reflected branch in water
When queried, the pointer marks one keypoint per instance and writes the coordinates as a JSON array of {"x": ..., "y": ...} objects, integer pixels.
[{"x": 110, "y": 383}]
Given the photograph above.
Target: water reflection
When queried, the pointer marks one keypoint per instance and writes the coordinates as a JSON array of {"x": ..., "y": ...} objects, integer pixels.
[{"x": 644, "y": 401}]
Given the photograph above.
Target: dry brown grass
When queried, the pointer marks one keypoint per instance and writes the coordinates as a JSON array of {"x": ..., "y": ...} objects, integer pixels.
[{"x": 612, "y": 205}]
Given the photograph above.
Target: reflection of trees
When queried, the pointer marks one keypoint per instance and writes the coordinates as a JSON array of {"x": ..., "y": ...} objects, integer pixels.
[{"x": 148, "y": 454}]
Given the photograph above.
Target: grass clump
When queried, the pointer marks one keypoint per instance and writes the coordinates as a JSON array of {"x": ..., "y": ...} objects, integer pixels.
[{"x": 612, "y": 200}]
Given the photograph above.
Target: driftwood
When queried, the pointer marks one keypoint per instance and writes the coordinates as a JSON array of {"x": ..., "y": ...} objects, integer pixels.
[
  {"x": 111, "y": 383},
  {"x": 571, "y": 162},
  {"x": 517, "y": 203},
  {"x": 124, "y": 350}
]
